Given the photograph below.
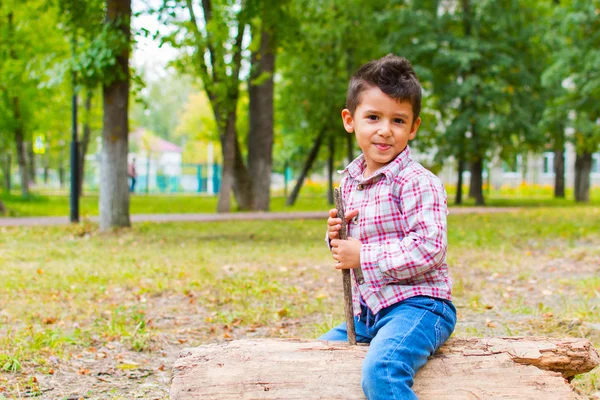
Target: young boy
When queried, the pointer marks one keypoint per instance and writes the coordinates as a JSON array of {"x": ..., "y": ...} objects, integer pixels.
[{"x": 397, "y": 234}]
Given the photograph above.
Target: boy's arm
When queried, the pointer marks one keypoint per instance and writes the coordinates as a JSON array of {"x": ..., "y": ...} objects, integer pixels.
[{"x": 424, "y": 208}]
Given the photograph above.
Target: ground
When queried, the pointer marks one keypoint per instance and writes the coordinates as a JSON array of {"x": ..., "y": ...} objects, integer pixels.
[{"x": 96, "y": 316}]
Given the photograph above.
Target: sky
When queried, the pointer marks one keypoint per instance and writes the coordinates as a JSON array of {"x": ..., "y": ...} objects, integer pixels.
[{"x": 147, "y": 54}]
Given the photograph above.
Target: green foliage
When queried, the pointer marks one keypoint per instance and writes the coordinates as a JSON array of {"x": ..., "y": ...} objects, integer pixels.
[
  {"x": 337, "y": 37},
  {"x": 575, "y": 43},
  {"x": 479, "y": 66}
]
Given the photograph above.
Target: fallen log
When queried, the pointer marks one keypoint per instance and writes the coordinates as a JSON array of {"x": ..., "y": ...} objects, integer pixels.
[{"x": 490, "y": 368}]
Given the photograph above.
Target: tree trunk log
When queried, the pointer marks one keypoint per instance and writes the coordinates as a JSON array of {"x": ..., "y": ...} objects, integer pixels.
[
  {"x": 583, "y": 169},
  {"x": 114, "y": 188},
  {"x": 260, "y": 135},
  {"x": 491, "y": 368}
]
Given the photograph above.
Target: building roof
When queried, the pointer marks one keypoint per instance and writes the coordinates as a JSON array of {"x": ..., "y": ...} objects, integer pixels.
[{"x": 157, "y": 144}]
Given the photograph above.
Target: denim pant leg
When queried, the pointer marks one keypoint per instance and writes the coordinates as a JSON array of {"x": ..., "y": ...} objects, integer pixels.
[
  {"x": 403, "y": 339},
  {"x": 340, "y": 332}
]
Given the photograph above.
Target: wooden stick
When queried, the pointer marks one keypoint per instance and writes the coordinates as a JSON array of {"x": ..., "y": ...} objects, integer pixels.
[{"x": 346, "y": 280}]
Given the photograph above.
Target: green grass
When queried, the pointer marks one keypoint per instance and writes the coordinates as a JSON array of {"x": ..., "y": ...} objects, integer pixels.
[
  {"x": 68, "y": 288},
  {"x": 312, "y": 198},
  {"x": 58, "y": 205}
]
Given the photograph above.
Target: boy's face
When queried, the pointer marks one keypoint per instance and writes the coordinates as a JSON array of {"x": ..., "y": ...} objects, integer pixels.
[{"x": 382, "y": 125}]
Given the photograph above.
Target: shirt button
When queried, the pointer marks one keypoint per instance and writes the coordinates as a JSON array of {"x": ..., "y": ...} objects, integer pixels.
[
  {"x": 360, "y": 186},
  {"x": 355, "y": 220}
]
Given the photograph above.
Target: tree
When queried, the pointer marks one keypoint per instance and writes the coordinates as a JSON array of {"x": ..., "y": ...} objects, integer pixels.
[
  {"x": 312, "y": 91},
  {"x": 114, "y": 190},
  {"x": 472, "y": 57},
  {"x": 575, "y": 66}
]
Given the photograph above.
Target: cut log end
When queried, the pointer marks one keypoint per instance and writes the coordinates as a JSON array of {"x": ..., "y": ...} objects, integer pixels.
[{"x": 512, "y": 368}]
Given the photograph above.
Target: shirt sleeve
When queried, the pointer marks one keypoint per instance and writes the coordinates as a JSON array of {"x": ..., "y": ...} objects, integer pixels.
[{"x": 424, "y": 207}]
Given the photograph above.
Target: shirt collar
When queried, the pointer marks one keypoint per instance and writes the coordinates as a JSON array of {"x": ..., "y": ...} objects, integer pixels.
[{"x": 356, "y": 168}]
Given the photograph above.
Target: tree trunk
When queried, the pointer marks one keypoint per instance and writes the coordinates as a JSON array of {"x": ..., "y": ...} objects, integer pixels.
[
  {"x": 31, "y": 162},
  {"x": 242, "y": 183},
  {"x": 350, "y": 147},
  {"x": 61, "y": 168},
  {"x": 114, "y": 188},
  {"x": 312, "y": 156},
  {"x": 330, "y": 161},
  {"x": 7, "y": 173},
  {"x": 46, "y": 167},
  {"x": 228, "y": 148},
  {"x": 477, "y": 181},
  {"x": 559, "y": 170},
  {"x": 18, "y": 123},
  {"x": 20, "y": 147},
  {"x": 583, "y": 168},
  {"x": 260, "y": 136},
  {"x": 491, "y": 368},
  {"x": 2, "y": 208},
  {"x": 85, "y": 140},
  {"x": 459, "y": 181}
]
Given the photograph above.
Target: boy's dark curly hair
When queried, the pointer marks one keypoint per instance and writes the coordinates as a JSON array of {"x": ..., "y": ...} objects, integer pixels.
[{"x": 393, "y": 75}]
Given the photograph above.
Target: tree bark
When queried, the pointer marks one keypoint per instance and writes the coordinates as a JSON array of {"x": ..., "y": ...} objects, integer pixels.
[
  {"x": 18, "y": 123},
  {"x": 330, "y": 161},
  {"x": 260, "y": 136},
  {"x": 7, "y": 173},
  {"x": 350, "y": 147},
  {"x": 489, "y": 368},
  {"x": 559, "y": 167},
  {"x": 84, "y": 143},
  {"x": 20, "y": 148},
  {"x": 314, "y": 152},
  {"x": 228, "y": 148},
  {"x": 460, "y": 167},
  {"x": 31, "y": 167},
  {"x": 476, "y": 186},
  {"x": 114, "y": 188},
  {"x": 583, "y": 169},
  {"x": 242, "y": 183}
]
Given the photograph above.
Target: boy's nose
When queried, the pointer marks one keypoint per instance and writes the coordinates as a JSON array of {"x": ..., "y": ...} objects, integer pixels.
[{"x": 384, "y": 131}]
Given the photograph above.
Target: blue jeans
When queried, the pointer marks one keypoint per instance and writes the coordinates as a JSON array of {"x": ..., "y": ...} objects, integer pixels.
[{"x": 401, "y": 339}]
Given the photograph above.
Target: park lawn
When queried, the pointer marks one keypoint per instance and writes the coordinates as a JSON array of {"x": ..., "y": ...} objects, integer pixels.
[
  {"x": 315, "y": 199},
  {"x": 104, "y": 315},
  {"x": 58, "y": 205}
]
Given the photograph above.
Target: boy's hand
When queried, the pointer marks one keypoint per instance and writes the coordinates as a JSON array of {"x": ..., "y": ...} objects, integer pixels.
[
  {"x": 334, "y": 224},
  {"x": 346, "y": 253}
]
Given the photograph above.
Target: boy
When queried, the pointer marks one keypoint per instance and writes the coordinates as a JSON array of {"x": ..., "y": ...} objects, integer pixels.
[{"x": 397, "y": 233}]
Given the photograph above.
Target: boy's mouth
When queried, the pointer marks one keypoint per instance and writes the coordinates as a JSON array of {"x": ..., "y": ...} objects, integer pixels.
[{"x": 382, "y": 146}]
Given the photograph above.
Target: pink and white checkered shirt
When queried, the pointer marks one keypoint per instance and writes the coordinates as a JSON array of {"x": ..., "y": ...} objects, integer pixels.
[{"x": 401, "y": 223}]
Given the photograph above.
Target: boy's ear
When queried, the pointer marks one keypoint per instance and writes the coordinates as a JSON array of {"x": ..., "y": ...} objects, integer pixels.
[
  {"x": 414, "y": 128},
  {"x": 348, "y": 120}
]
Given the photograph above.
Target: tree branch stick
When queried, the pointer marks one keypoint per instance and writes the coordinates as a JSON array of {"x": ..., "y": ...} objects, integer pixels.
[{"x": 346, "y": 279}]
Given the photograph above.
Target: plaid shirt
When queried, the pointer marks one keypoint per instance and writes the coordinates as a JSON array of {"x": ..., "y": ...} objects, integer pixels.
[{"x": 401, "y": 224}]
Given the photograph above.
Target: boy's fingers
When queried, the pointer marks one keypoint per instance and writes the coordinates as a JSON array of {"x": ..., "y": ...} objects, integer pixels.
[
  {"x": 351, "y": 214},
  {"x": 333, "y": 213}
]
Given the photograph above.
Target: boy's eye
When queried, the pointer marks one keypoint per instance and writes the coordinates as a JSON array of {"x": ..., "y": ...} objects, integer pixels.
[
  {"x": 399, "y": 120},
  {"x": 373, "y": 117}
]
